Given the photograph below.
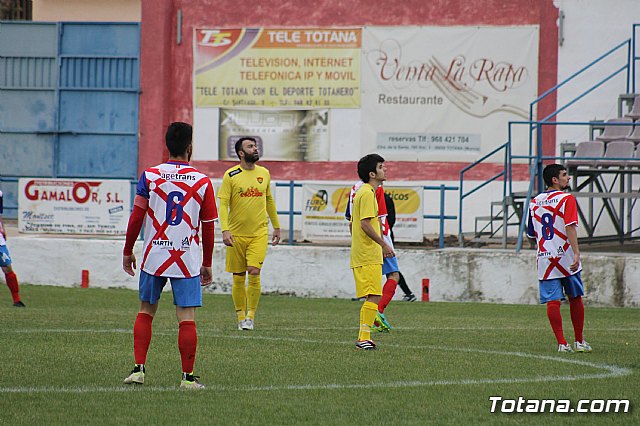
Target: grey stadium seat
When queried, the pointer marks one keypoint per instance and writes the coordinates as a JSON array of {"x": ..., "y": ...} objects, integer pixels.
[
  {"x": 635, "y": 133},
  {"x": 618, "y": 149},
  {"x": 589, "y": 149},
  {"x": 634, "y": 114},
  {"x": 612, "y": 133}
]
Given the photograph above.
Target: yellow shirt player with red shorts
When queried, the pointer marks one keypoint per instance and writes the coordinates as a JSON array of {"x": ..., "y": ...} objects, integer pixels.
[{"x": 246, "y": 205}]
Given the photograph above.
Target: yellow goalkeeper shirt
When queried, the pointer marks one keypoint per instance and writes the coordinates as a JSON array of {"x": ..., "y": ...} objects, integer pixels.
[
  {"x": 251, "y": 205},
  {"x": 364, "y": 251}
]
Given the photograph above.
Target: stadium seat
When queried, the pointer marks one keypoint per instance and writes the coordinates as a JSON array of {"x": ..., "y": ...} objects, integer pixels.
[
  {"x": 588, "y": 149},
  {"x": 612, "y": 133},
  {"x": 636, "y": 158},
  {"x": 618, "y": 149},
  {"x": 635, "y": 133},
  {"x": 634, "y": 114}
]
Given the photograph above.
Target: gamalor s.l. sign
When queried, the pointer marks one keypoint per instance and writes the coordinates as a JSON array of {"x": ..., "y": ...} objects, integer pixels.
[{"x": 72, "y": 206}]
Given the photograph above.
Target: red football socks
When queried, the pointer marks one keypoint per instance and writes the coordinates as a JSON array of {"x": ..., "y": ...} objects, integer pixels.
[
  {"x": 142, "y": 337},
  {"x": 555, "y": 319},
  {"x": 12, "y": 283},
  {"x": 388, "y": 290},
  {"x": 577, "y": 317},
  {"x": 187, "y": 343}
]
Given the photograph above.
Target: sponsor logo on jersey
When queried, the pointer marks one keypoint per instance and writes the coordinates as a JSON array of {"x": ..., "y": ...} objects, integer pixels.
[
  {"x": 232, "y": 173},
  {"x": 560, "y": 250},
  {"x": 176, "y": 176},
  {"x": 162, "y": 243},
  {"x": 547, "y": 201},
  {"x": 544, "y": 254},
  {"x": 251, "y": 192},
  {"x": 186, "y": 244}
]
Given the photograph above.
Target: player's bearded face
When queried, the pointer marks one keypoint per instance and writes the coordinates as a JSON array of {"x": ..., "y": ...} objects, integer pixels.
[{"x": 252, "y": 156}]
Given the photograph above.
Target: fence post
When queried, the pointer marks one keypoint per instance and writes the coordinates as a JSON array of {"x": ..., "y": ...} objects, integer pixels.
[
  {"x": 291, "y": 191},
  {"x": 441, "y": 216}
]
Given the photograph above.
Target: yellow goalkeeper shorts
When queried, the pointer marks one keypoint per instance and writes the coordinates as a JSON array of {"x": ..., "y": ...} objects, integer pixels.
[
  {"x": 368, "y": 280},
  {"x": 246, "y": 251}
]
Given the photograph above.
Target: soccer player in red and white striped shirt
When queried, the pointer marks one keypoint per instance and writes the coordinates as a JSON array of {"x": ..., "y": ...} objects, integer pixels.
[
  {"x": 173, "y": 199},
  {"x": 553, "y": 222}
]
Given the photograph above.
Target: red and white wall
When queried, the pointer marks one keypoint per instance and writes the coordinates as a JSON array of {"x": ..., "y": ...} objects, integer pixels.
[{"x": 167, "y": 65}]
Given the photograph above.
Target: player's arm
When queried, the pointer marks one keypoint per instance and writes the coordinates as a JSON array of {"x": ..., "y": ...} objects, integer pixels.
[
  {"x": 572, "y": 236},
  {"x": 272, "y": 212},
  {"x": 531, "y": 232},
  {"x": 227, "y": 238},
  {"x": 273, "y": 216},
  {"x": 140, "y": 206},
  {"x": 571, "y": 229},
  {"x": 368, "y": 229},
  {"x": 208, "y": 215},
  {"x": 223, "y": 214}
]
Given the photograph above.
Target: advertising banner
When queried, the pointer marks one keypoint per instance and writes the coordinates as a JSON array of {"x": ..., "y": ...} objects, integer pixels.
[
  {"x": 277, "y": 68},
  {"x": 324, "y": 206},
  {"x": 70, "y": 206},
  {"x": 285, "y": 135},
  {"x": 445, "y": 93}
]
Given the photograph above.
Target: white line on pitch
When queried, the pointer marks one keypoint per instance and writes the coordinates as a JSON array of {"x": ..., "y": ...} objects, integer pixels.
[{"x": 609, "y": 372}]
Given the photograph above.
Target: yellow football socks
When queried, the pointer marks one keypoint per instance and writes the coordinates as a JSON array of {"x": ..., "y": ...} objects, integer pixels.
[
  {"x": 239, "y": 296},
  {"x": 253, "y": 295},
  {"x": 367, "y": 316}
]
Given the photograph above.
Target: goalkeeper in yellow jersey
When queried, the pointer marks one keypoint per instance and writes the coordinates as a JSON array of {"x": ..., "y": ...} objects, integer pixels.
[{"x": 246, "y": 205}]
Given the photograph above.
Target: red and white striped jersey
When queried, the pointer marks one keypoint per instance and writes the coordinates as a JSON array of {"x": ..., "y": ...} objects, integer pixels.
[
  {"x": 180, "y": 197},
  {"x": 549, "y": 214}
]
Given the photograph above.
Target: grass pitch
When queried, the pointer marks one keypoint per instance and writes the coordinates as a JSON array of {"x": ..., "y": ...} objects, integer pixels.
[{"x": 63, "y": 358}]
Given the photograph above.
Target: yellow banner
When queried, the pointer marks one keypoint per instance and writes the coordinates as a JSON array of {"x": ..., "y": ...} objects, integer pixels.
[{"x": 283, "y": 68}]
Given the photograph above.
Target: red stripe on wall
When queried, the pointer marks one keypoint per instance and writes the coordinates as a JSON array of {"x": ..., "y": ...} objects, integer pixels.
[{"x": 346, "y": 170}]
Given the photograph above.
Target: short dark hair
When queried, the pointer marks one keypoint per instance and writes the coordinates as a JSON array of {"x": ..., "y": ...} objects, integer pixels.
[
  {"x": 178, "y": 138},
  {"x": 550, "y": 172},
  {"x": 240, "y": 141},
  {"x": 368, "y": 164}
]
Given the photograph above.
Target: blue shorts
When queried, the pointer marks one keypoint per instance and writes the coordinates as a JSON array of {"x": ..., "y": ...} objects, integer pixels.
[
  {"x": 555, "y": 289},
  {"x": 5, "y": 258},
  {"x": 389, "y": 265},
  {"x": 187, "y": 292}
]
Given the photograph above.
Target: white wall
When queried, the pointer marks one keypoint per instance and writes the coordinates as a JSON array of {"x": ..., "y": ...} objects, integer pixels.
[{"x": 494, "y": 276}]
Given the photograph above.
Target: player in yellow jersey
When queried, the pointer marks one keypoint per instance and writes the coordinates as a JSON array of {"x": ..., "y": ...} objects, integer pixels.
[
  {"x": 246, "y": 205},
  {"x": 367, "y": 246}
]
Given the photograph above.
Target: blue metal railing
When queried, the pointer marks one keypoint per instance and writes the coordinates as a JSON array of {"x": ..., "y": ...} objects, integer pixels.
[
  {"x": 535, "y": 125},
  {"x": 291, "y": 212},
  {"x": 441, "y": 217},
  {"x": 505, "y": 174},
  {"x": 536, "y": 160},
  {"x": 633, "y": 57},
  {"x": 541, "y": 158}
]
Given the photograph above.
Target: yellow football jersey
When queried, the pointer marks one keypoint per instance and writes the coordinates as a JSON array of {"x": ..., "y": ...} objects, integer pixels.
[
  {"x": 247, "y": 192},
  {"x": 364, "y": 251}
]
